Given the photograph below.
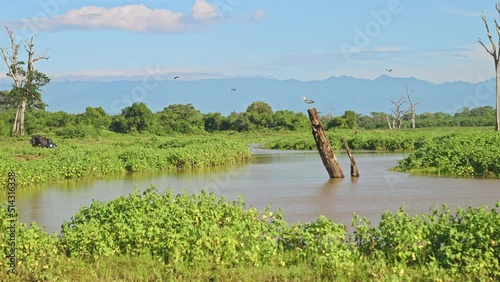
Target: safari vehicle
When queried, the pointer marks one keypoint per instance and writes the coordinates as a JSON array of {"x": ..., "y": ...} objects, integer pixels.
[{"x": 42, "y": 141}]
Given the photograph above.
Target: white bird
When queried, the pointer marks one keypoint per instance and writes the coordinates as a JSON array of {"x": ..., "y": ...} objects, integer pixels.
[{"x": 308, "y": 101}]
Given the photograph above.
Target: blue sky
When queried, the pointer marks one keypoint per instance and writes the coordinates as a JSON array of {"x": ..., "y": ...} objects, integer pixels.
[{"x": 305, "y": 40}]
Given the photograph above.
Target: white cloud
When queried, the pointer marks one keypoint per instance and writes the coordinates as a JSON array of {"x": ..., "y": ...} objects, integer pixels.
[
  {"x": 203, "y": 11},
  {"x": 156, "y": 73},
  {"x": 137, "y": 18},
  {"x": 132, "y": 17}
]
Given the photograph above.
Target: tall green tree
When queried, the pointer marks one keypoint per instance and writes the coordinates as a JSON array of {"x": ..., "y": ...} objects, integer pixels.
[
  {"x": 95, "y": 117},
  {"x": 260, "y": 114},
  {"x": 351, "y": 119},
  {"x": 181, "y": 119},
  {"x": 6, "y": 101},
  {"x": 213, "y": 121},
  {"x": 288, "y": 120},
  {"x": 495, "y": 53},
  {"x": 135, "y": 118},
  {"x": 27, "y": 82}
]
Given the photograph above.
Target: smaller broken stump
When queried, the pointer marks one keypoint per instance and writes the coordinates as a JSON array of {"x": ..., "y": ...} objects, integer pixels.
[
  {"x": 324, "y": 147},
  {"x": 354, "y": 167}
]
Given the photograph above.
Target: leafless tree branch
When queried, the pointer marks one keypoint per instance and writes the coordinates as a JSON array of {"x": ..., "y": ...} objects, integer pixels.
[{"x": 493, "y": 51}]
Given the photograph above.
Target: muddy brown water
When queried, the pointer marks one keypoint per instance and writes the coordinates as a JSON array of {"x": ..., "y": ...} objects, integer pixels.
[{"x": 294, "y": 181}]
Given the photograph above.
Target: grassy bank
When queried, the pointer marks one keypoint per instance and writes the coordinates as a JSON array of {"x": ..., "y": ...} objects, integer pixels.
[
  {"x": 445, "y": 151},
  {"x": 463, "y": 152},
  {"x": 80, "y": 158},
  {"x": 202, "y": 237}
]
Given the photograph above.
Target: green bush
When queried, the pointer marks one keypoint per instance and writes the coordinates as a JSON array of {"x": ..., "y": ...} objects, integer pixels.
[
  {"x": 36, "y": 252},
  {"x": 464, "y": 243}
]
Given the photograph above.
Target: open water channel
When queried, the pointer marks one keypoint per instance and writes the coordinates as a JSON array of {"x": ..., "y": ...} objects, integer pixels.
[{"x": 295, "y": 181}]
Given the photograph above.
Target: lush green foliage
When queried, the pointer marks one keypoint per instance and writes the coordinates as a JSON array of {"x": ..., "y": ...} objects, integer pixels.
[
  {"x": 479, "y": 116},
  {"x": 185, "y": 119},
  {"x": 462, "y": 243},
  {"x": 179, "y": 119},
  {"x": 373, "y": 140},
  {"x": 348, "y": 120},
  {"x": 37, "y": 253},
  {"x": 182, "y": 229},
  {"x": 466, "y": 152},
  {"x": 30, "y": 85},
  {"x": 260, "y": 114},
  {"x": 95, "y": 117},
  {"x": 72, "y": 159},
  {"x": 460, "y": 154},
  {"x": 202, "y": 236},
  {"x": 135, "y": 118}
]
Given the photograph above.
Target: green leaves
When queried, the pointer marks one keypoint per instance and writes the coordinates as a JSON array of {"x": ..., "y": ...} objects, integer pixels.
[
  {"x": 74, "y": 161},
  {"x": 204, "y": 232},
  {"x": 459, "y": 154},
  {"x": 176, "y": 228},
  {"x": 463, "y": 243}
]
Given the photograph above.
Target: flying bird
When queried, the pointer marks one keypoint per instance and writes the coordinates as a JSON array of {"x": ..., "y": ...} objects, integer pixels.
[
  {"x": 388, "y": 70},
  {"x": 176, "y": 77},
  {"x": 233, "y": 89},
  {"x": 308, "y": 101}
]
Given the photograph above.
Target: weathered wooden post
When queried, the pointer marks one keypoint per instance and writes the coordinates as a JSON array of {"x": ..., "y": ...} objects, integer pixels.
[
  {"x": 324, "y": 148},
  {"x": 354, "y": 167}
]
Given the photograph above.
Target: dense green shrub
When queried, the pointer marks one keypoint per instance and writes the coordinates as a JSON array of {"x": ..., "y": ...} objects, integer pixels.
[
  {"x": 465, "y": 242},
  {"x": 36, "y": 252},
  {"x": 460, "y": 154},
  {"x": 187, "y": 229},
  {"x": 204, "y": 232},
  {"x": 71, "y": 160}
]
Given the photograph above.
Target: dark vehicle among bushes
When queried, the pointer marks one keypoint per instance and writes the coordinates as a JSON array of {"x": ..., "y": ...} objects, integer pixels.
[{"x": 42, "y": 141}]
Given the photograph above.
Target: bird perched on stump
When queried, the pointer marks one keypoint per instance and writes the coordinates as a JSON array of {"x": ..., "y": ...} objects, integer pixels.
[{"x": 308, "y": 101}]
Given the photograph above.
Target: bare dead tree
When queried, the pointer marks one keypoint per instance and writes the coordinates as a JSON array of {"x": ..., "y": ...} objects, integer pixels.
[
  {"x": 26, "y": 82},
  {"x": 388, "y": 122},
  {"x": 398, "y": 112},
  {"x": 494, "y": 52},
  {"x": 412, "y": 106},
  {"x": 329, "y": 115}
]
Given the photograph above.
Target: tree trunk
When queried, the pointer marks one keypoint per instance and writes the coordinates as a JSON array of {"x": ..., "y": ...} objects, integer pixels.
[
  {"x": 497, "y": 128},
  {"x": 388, "y": 122},
  {"x": 354, "y": 167},
  {"x": 324, "y": 147},
  {"x": 18, "y": 128},
  {"x": 413, "y": 120}
]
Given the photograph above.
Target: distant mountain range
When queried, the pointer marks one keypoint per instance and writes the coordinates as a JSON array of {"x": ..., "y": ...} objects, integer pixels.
[{"x": 333, "y": 95}]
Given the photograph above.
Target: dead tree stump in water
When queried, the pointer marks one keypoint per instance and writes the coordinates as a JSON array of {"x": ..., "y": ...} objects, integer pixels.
[
  {"x": 354, "y": 167},
  {"x": 324, "y": 147}
]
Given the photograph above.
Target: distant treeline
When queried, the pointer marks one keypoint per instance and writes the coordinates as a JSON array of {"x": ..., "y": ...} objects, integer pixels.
[{"x": 186, "y": 119}]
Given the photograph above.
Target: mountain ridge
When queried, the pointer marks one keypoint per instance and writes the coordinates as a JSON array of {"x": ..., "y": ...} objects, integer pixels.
[{"x": 332, "y": 95}]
